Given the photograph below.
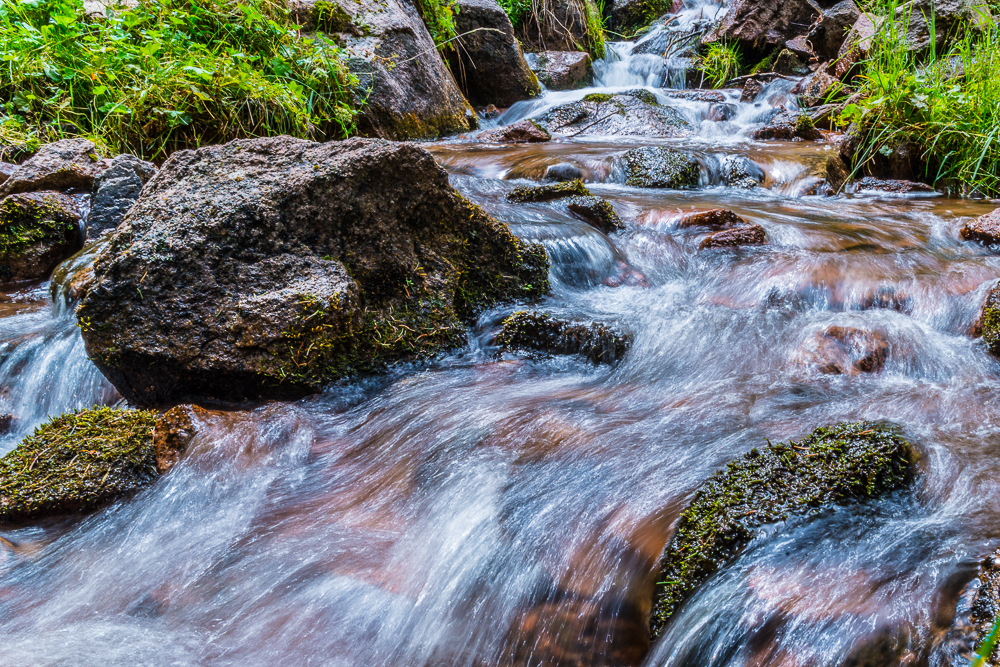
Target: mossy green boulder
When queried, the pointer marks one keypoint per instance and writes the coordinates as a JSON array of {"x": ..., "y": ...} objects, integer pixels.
[
  {"x": 846, "y": 462},
  {"x": 539, "y": 193},
  {"x": 541, "y": 332},
  {"x": 989, "y": 321},
  {"x": 38, "y": 230},
  {"x": 77, "y": 462},
  {"x": 632, "y": 113}
]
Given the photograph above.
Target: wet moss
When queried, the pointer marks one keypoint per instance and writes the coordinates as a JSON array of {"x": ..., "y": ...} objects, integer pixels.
[
  {"x": 989, "y": 321},
  {"x": 804, "y": 126},
  {"x": 597, "y": 98},
  {"x": 832, "y": 465},
  {"x": 659, "y": 167},
  {"x": 30, "y": 220},
  {"x": 540, "y": 193},
  {"x": 644, "y": 96},
  {"x": 540, "y": 332},
  {"x": 76, "y": 462},
  {"x": 598, "y": 212}
]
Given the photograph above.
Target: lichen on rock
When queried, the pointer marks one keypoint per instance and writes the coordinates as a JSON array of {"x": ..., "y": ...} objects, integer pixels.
[
  {"x": 37, "y": 231},
  {"x": 660, "y": 167},
  {"x": 850, "y": 461},
  {"x": 539, "y": 193},
  {"x": 596, "y": 211}
]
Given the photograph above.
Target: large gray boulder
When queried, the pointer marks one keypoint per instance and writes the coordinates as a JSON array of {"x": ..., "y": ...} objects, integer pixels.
[
  {"x": 632, "y": 113},
  {"x": 116, "y": 191},
  {"x": 759, "y": 24},
  {"x": 487, "y": 59},
  {"x": 560, "y": 70},
  {"x": 268, "y": 268},
  {"x": 408, "y": 90}
]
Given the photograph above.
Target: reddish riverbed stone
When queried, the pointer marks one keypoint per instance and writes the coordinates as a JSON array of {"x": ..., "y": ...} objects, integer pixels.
[
  {"x": 985, "y": 229},
  {"x": 735, "y": 237}
]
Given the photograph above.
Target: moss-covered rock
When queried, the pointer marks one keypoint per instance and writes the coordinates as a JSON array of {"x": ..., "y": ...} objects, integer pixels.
[
  {"x": 831, "y": 465},
  {"x": 989, "y": 321},
  {"x": 38, "y": 230},
  {"x": 629, "y": 16},
  {"x": 77, "y": 462},
  {"x": 597, "y": 211},
  {"x": 540, "y": 332},
  {"x": 660, "y": 167},
  {"x": 537, "y": 193},
  {"x": 635, "y": 113}
]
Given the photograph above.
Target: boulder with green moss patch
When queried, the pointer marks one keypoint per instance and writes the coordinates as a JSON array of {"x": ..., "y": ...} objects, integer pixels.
[
  {"x": 537, "y": 193},
  {"x": 38, "y": 230},
  {"x": 540, "y": 332},
  {"x": 269, "y": 268},
  {"x": 659, "y": 167},
  {"x": 67, "y": 164},
  {"x": 831, "y": 465},
  {"x": 77, "y": 462},
  {"x": 634, "y": 113},
  {"x": 988, "y": 325},
  {"x": 596, "y": 211}
]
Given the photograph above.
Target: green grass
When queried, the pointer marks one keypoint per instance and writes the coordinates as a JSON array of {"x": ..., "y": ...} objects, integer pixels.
[
  {"x": 439, "y": 17},
  {"x": 165, "y": 75},
  {"x": 520, "y": 12},
  {"x": 721, "y": 62},
  {"x": 923, "y": 99},
  {"x": 517, "y": 11}
]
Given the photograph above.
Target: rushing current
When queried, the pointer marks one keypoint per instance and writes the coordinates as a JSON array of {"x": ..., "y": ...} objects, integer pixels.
[{"x": 489, "y": 511}]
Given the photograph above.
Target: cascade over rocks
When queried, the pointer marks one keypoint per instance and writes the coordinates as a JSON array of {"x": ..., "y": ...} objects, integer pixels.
[
  {"x": 742, "y": 172},
  {"x": 757, "y": 24},
  {"x": 847, "y": 351},
  {"x": 632, "y": 113},
  {"x": 540, "y": 332},
  {"x": 487, "y": 60},
  {"x": 562, "y": 172},
  {"x": 560, "y": 70},
  {"x": 268, "y": 268},
  {"x": 830, "y": 466},
  {"x": 409, "y": 91},
  {"x": 38, "y": 230}
]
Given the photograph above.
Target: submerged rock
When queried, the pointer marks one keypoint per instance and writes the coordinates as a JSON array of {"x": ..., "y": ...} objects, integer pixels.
[
  {"x": 116, "y": 191},
  {"x": 68, "y": 164},
  {"x": 488, "y": 62},
  {"x": 742, "y": 172},
  {"x": 985, "y": 229},
  {"x": 77, "y": 462},
  {"x": 598, "y": 212},
  {"x": 752, "y": 234},
  {"x": 633, "y": 113},
  {"x": 38, "y": 230},
  {"x": 847, "y": 351},
  {"x": 272, "y": 267},
  {"x": 538, "y": 193},
  {"x": 173, "y": 433},
  {"x": 831, "y": 465},
  {"x": 716, "y": 218},
  {"x": 660, "y": 167},
  {"x": 522, "y": 132},
  {"x": 599, "y": 343},
  {"x": 560, "y": 70},
  {"x": 562, "y": 172}
]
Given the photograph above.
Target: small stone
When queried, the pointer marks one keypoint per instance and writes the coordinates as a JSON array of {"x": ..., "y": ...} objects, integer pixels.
[
  {"x": 738, "y": 236},
  {"x": 848, "y": 351},
  {"x": 522, "y": 132},
  {"x": 722, "y": 112},
  {"x": 751, "y": 89},
  {"x": 742, "y": 172},
  {"x": 598, "y": 212},
  {"x": 68, "y": 164},
  {"x": 716, "y": 218},
  {"x": 660, "y": 167},
  {"x": 870, "y": 184},
  {"x": 985, "y": 229},
  {"x": 559, "y": 70},
  {"x": 562, "y": 172},
  {"x": 539, "y": 193},
  {"x": 6, "y": 421},
  {"x": 541, "y": 332}
]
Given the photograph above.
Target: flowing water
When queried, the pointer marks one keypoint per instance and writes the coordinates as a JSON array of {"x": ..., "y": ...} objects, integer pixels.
[{"x": 487, "y": 511}]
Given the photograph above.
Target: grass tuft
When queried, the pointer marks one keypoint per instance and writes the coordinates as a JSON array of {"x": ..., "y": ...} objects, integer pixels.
[{"x": 721, "y": 62}]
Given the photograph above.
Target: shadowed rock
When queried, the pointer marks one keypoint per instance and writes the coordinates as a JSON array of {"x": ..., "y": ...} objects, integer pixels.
[
  {"x": 560, "y": 70},
  {"x": 831, "y": 465},
  {"x": 985, "y": 229},
  {"x": 752, "y": 234},
  {"x": 68, "y": 164},
  {"x": 598, "y": 212},
  {"x": 660, "y": 167},
  {"x": 522, "y": 132},
  {"x": 115, "y": 192},
  {"x": 827, "y": 35},
  {"x": 633, "y": 113},
  {"x": 598, "y": 343},
  {"x": 272, "y": 267},
  {"x": 538, "y": 193},
  {"x": 848, "y": 351},
  {"x": 38, "y": 230},
  {"x": 756, "y": 24}
]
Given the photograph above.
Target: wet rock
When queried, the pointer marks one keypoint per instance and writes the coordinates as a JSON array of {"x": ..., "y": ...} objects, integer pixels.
[
  {"x": 830, "y": 466},
  {"x": 409, "y": 91},
  {"x": 871, "y": 184},
  {"x": 733, "y": 238},
  {"x": 801, "y": 48},
  {"x": 847, "y": 351},
  {"x": 599, "y": 343},
  {"x": 562, "y": 172},
  {"x": 522, "y": 132},
  {"x": 72, "y": 278},
  {"x": 789, "y": 125},
  {"x": 886, "y": 298},
  {"x": 6, "y": 421},
  {"x": 488, "y": 62},
  {"x": 660, "y": 167},
  {"x": 6, "y": 171},
  {"x": 68, "y": 164},
  {"x": 624, "y": 275},
  {"x": 985, "y": 229},
  {"x": 756, "y": 24},
  {"x": 722, "y": 112},
  {"x": 272, "y": 267},
  {"x": 38, "y": 230},
  {"x": 558, "y": 25},
  {"x": 827, "y": 35},
  {"x": 717, "y": 218},
  {"x": 173, "y": 432},
  {"x": 630, "y": 15},
  {"x": 560, "y": 70},
  {"x": 491, "y": 112},
  {"x": 988, "y": 325},
  {"x": 856, "y": 46},
  {"x": 77, "y": 462},
  {"x": 742, "y": 172},
  {"x": 633, "y": 113},
  {"x": 815, "y": 88},
  {"x": 751, "y": 89},
  {"x": 972, "y": 626},
  {"x": 116, "y": 191},
  {"x": 596, "y": 211},
  {"x": 709, "y": 96},
  {"x": 837, "y": 173},
  {"x": 789, "y": 64},
  {"x": 537, "y": 193}
]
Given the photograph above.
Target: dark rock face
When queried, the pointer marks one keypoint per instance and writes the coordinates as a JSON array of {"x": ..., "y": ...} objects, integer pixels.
[
  {"x": 788, "y": 125},
  {"x": 540, "y": 332},
  {"x": 271, "y": 267},
  {"x": 536, "y": 193},
  {"x": 892, "y": 186},
  {"x": 848, "y": 351},
  {"x": 660, "y": 167},
  {"x": 557, "y": 25},
  {"x": 68, "y": 164},
  {"x": 116, "y": 191},
  {"x": 815, "y": 88},
  {"x": 856, "y": 46},
  {"x": 985, "y": 229},
  {"x": 837, "y": 173},
  {"x": 742, "y": 172},
  {"x": 951, "y": 18},
  {"x": 756, "y": 24},
  {"x": 827, "y": 34},
  {"x": 733, "y": 238},
  {"x": 488, "y": 62},
  {"x": 596, "y": 211},
  {"x": 410, "y": 93},
  {"x": 628, "y": 15},
  {"x": 988, "y": 325},
  {"x": 560, "y": 70},
  {"x": 38, "y": 230},
  {"x": 77, "y": 462},
  {"x": 751, "y": 89},
  {"x": 634, "y": 113},
  {"x": 522, "y": 132},
  {"x": 788, "y": 63},
  {"x": 562, "y": 172},
  {"x": 717, "y": 218},
  {"x": 830, "y": 466}
]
